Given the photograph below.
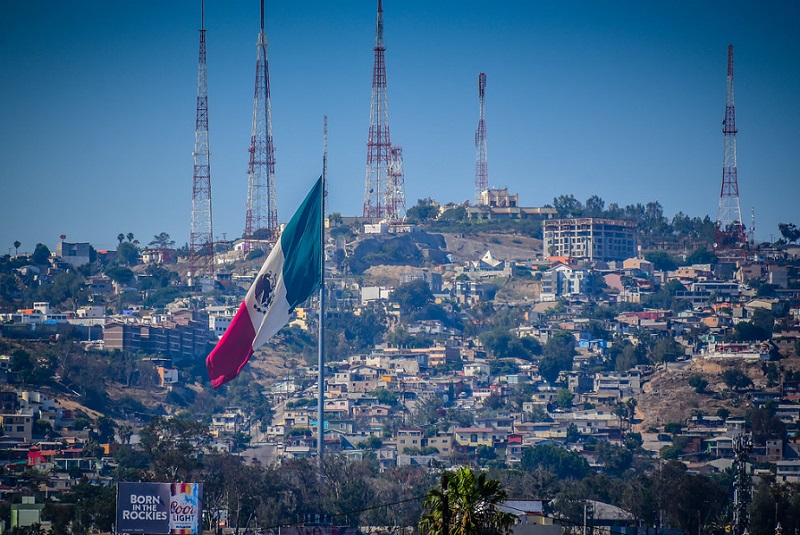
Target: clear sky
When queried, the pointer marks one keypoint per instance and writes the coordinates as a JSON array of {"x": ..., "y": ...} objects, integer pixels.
[{"x": 623, "y": 99}]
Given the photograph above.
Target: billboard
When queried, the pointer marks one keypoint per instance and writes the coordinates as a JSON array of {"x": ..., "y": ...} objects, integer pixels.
[{"x": 160, "y": 508}]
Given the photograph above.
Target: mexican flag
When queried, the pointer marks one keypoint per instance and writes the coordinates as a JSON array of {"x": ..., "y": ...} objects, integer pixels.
[{"x": 289, "y": 276}]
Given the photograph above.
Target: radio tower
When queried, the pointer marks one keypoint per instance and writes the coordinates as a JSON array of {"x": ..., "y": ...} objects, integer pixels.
[
  {"x": 201, "y": 254},
  {"x": 378, "y": 144},
  {"x": 730, "y": 232},
  {"x": 481, "y": 164},
  {"x": 395, "y": 186},
  {"x": 261, "y": 221}
]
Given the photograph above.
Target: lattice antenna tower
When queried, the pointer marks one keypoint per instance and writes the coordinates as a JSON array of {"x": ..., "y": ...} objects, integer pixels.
[
  {"x": 395, "y": 186},
  {"x": 378, "y": 143},
  {"x": 481, "y": 162},
  {"x": 742, "y": 483},
  {"x": 261, "y": 221},
  {"x": 730, "y": 231},
  {"x": 201, "y": 254}
]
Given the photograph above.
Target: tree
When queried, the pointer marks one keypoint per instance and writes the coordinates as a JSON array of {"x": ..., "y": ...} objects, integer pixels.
[
  {"x": 173, "y": 445},
  {"x": 789, "y": 231},
  {"x": 701, "y": 256},
  {"x": 697, "y": 382},
  {"x": 412, "y": 295},
  {"x": 666, "y": 350},
  {"x": 566, "y": 464},
  {"x": 661, "y": 260},
  {"x": 128, "y": 253},
  {"x": 17, "y": 243},
  {"x": 557, "y": 356},
  {"x": 424, "y": 210},
  {"x": 162, "y": 241},
  {"x": 567, "y": 206},
  {"x": 41, "y": 254},
  {"x": 335, "y": 219},
  {"x": 564, "y": 398},
  {"x": 501, "y": 344},
  {"x": 120, "y": 275},
  {"x": 594, "y": 207},
  {"x": 465, "y": 504},
  {"x": 736, "y": 379}
]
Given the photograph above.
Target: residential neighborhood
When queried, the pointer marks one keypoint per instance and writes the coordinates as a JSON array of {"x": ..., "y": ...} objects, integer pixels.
[{"x": 484, "y": 352}]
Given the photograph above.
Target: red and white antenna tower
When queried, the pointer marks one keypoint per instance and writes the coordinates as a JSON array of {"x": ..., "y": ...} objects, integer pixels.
[
  {"x": 201, "y": 254},
  {"x": 261, "y": 221},
  {"x": 378, "y": 144},
  {"x": 730, "y": 231},
  {"x": 481, "y": 163},
  {"x": 395, "y": 186}
]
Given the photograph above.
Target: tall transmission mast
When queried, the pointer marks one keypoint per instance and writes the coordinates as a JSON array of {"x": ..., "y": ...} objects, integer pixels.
[
  {"x": 481, "y": 163},
  {"x": 378, "y": 144},
  {"x": 201, "y": 254},
  {"x": 730, "y": 231},
  {"x": 261, "y": 221},
  {"x": 395, "y": 186},
  {"x": 742, "y": 483}
]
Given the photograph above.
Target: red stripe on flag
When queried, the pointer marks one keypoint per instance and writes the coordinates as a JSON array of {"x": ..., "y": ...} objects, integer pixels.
[{"x": 233, "y": 350}]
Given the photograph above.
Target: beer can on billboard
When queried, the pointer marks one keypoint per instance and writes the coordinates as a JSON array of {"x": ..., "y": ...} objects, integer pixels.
[{"x": 185, "y": 508}]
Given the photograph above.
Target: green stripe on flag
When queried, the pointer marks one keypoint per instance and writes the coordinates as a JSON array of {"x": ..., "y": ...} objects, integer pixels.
[{"x": 301, "y": 246}]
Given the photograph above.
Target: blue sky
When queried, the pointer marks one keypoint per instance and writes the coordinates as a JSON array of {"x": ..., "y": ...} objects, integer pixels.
[{"x": 623, "y": 99}]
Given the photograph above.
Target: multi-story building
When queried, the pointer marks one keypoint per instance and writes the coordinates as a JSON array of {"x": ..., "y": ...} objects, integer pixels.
[
  {"x": 170, "y": 339},
  {"x": 18, "y": 425},
  {"x": 76, "y": 254},
  {"x": 590, "y": 238},
  {"x": 565, "y": 280}
]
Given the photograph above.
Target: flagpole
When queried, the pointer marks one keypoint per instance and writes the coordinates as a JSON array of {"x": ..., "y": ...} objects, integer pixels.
[{"x": 321, "y": 335}]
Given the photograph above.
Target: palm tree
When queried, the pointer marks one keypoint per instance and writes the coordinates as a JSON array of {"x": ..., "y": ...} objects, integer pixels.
[
  {"x": 465, "y": 504},
  {"x": 16, "y": 247}
]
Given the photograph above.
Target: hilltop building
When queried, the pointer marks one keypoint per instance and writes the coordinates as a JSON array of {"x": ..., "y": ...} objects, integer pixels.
[{"x": 591, "y": 239}]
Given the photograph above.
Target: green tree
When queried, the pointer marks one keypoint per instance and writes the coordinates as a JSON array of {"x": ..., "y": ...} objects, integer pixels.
[
  {"x": 701, "y": 256},
  {"x": 41, "y": 254},
  {"x": 594, "y": 207},
  {"x": 412, "y": 295},
  {"x": 564, "y": 398},
  {"x": 661, "y": 260},
  {"x": 335, "y": 219},
  {"x": 465, "y": 504},
  {"x": 162, "y": 241},
  {"x": 17, "y": 243},
  {"x": 789, "y": 231},
  {"x": 566, "y": 464},
  {"x": 385, "y": 396},
  {"x": 736, "y": 379},
  {"x": 666, "y": 350},
  {"x": 567, "y": 206},
  {"x": 120, "y": 275},
  {"x": 557, "y": 356},
  {"x": 127, "y": 253},
  {"x": 615, "y": 459},
  {"x": 173, "y": 445},
  {"x": 424, "y": 210},
  {"x": 697, "y": 382},
  {"x": 502, "y": 344}
]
